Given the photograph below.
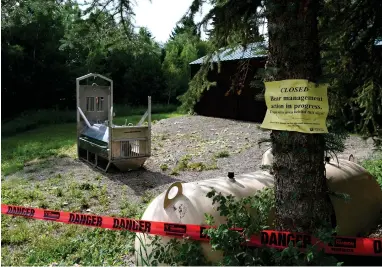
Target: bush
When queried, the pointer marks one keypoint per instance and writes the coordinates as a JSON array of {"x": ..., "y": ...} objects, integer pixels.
[{"x": 374, "y": 166}]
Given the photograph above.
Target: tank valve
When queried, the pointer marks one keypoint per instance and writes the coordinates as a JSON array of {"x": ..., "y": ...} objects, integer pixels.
[{"x": 231, "y": 176}]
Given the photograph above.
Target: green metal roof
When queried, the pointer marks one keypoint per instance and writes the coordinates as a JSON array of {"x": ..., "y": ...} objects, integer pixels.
[{"x": 253, "y": 50}]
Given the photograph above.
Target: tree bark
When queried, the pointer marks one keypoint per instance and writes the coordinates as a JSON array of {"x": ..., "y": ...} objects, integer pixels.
[{"x": 302, "y": 200}]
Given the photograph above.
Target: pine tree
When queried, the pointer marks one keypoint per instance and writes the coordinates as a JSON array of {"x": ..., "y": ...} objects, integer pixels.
[{"x": 302, "y": 200}]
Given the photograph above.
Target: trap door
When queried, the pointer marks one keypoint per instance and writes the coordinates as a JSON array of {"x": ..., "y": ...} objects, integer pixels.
[{"x": 95, "y": 102}]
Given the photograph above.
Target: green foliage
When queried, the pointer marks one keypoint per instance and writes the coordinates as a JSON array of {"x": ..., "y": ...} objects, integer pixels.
[
  {"x": 197, "y": 86},
  {"x": 163, "y": 167},
  {"x": 250, "y": 213},
  {"x": 31, "y": 60},
  {"x": 185, "y": 25},
  {"x": 222, "y": 154},
  {"x": 188, "y": 253},
  {"x": 233, "y": 23},
  {"x": 185, "y": 164},
  {"x": 47, "y": 44},
  {"x": 374, "y": 166},
  {"x": 183, "y": 47},
  {"x": 369, "y": 99},
  {"x": 336, "y": 137},
  {"x": 133, "y": 61},
  {"x": 352, "y": 63}
]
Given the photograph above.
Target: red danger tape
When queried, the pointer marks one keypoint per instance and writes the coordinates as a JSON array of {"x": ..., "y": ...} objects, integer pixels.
[{"x": 275, "y": 239}]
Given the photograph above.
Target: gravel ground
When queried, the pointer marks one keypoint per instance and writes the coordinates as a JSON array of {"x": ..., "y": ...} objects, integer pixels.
[
  {"x": 197, "y": 137},
  {"x": 201, "y": 138}
]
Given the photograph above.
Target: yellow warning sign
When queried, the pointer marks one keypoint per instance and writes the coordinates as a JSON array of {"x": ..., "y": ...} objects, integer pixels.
[{"x": 296, "y": 105}]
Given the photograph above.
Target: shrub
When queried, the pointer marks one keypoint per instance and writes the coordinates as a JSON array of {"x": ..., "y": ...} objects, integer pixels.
[{"x": 374, "y": 166}]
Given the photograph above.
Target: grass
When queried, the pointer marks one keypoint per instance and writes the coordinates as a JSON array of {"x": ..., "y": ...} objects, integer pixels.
[
  {"x": 184, "y": 164},
  {"x": 222, "y": 154},
  {"x": 32, "y": 242},
  {"x": 163, "y": 167},
  {"x": 69, "y": 246},
  {"x": 53, "y": 140},
  {"x": 35, "y": 119},
  {"x": 50, "y": 140}
]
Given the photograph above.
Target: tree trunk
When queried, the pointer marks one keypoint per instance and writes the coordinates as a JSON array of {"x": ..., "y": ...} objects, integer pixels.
[{"x": 302, "y": 200}]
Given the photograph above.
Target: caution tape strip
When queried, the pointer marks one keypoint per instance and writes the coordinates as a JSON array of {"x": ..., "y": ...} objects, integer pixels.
[{"x": 275, "y": 239}]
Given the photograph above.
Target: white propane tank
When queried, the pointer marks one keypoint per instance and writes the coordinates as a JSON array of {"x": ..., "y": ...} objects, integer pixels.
[
  {"x": 187, "y": 203},
  {"x": 362, "y": 212}
]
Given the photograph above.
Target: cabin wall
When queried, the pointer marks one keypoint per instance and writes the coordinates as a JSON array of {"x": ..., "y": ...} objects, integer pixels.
[{"x": 215, "y": 103}]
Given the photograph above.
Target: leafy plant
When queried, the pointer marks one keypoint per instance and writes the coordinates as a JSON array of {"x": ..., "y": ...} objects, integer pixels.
[
  {"x": 163, "y": 167},
  {"x": 184, "y": 164},
  {"x": 222, "y": 154},
  {"x": 374, "y": 166}
]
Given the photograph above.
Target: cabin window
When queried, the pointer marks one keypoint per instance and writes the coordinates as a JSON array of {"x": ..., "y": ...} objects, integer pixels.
[
  {"x": 90, "y": 103},
  {"x": 99, "y": 101}
]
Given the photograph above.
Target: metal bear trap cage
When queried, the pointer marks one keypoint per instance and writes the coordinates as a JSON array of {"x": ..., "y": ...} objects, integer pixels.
[{"x": 99, "y": 141}]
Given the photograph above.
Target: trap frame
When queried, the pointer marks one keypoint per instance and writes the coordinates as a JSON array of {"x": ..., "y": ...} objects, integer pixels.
[{"x": 99, "y": 141}]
